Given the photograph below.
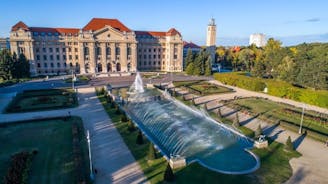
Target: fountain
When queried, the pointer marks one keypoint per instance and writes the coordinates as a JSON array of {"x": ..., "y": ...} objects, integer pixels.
[{"x": 188, "y": 135}]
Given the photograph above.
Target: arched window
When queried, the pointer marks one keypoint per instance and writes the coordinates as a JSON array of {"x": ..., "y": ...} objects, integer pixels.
[
  {"x": 98, "y": 50},
  {"x": 99, "y": 67},
  {"x": 117, "y": 51},
  {"x": 58, "y": 65},
  {"x": 129, "y": 67},
  {"x": 109, "y": 67},
  {"x": 108, "y": 51},
  {"x": 86, "y": 51},
  {"x": 118, "y": 67}
]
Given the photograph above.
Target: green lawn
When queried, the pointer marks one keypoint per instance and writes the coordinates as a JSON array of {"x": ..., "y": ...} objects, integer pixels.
[
  {"x": 54, "y": 162},
  {"x": 34, "y": 100},
  {"x": 202, "y": 87},
  {"x": 274, "y": 168},
  {"x": 80, "y": 79},
  {"x": 276, "y": 111}
]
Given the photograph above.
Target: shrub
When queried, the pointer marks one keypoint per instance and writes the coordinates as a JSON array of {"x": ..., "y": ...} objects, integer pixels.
[
  {"x": 258, "y": 131},
  {"x": 139, "y": 138},
  {"x": 289, "y": 145},
  {"x": 236, "y": 122},
  {"x": 112, "y": 105},
  {"x": 219, "y": 113},
  {"x": 131, "y": 126},
  {"x": 168, "y": 174},
  {"x": 124, "y": 118},
  {"x": 118, "y": 110},
  {"x": 151, "y": 152}
]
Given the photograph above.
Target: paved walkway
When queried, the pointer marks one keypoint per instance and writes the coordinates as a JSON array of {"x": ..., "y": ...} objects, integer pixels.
[
  {"x": 110, "y": 156},
  {"x": 311, "y": 167}
]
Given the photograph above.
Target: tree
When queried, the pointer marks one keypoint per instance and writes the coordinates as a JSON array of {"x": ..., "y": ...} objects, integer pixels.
[
  {"x": 208, "y": 66},
  {"x": 168, "y": 174},
  {"x": 124, "y": 118},
  {"x": 21, "y": 67},
  {"x": 258, "y": 131},
  {"x": 219, "y": 113},
  {"x": 6, "y": 62},
  {"x": 289, "y": 145},
  {"x": 190, "y": 69},
  {"x": 198, "y": 64},
  {"x": 189, "y": 58},
  {"x": 247, "y": 57},
  {"x": 236, "y": 123},
  {"x": 259, "y": 69},
  {"x": 131, "y": 126},
  {"x": 272, "y": 56},
  {"x": 139, "y": 138},
  {"x": 151, "y": 152}
]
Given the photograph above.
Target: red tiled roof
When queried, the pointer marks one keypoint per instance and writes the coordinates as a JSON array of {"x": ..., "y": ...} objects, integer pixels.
[
  {"x": 20, "y": 24},
  {"x": 54, "y": 30},
  {"x": 98, "y": 23},
  {"x": 190, "y": 45},
  {"x": 171, "y": 32},
  {"x": 150, "y": 33}
]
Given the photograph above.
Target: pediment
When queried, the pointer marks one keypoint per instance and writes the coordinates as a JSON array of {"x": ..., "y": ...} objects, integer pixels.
[{"x": 108, "y": 33}]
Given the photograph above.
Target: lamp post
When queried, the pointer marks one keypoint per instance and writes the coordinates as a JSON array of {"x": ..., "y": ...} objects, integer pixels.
[
  {"x": 300, "y": 130},
  {"x": 90, "y": 162}
]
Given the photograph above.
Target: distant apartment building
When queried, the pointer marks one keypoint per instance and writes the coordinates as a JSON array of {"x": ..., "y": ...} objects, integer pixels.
[
  {"x": 4, "y": 43},
  {"x": 258, "y": 39},
  {"x": 102, "y": 46}
]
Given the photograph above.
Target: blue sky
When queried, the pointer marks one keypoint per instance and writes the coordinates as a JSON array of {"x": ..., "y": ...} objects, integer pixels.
[{"x": 291, "y": 21}]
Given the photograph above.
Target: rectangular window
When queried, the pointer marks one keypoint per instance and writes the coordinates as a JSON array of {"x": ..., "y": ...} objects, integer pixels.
[
  {"x": 45, "y": 65},
  {"x": 154, "y": 50},
  {"x": 38, "y": 57},
  {"x": 57, "y": 57},
  {"x": 64, "y": 57},
  {"x": 154, "y": 56},
  {"x": 175, "y": 56},
  {"x": 70, "y": 57},
  {"x": 149, "y": 56},
  {"x": 76, "y": 49},
  {"x": 64, "y": 50},
  {"x": 50, "y": 49},
  {"x": 45, "y": 57},
  {"x": 51, "y": 57},
  {"x": 149, "y": 50},
  {"x": 70, "y": 49},
  {"x": 57, "y": 49},
  {"x": 159, "y": 56},
  {"x": 37, "y": 50},
  {"x": 145, "y": 56},
  {"x": 76, "y": 57},
  {"x": 44, "y": 50}
]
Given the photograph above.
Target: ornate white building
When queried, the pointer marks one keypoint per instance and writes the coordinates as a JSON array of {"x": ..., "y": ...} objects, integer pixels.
[
  {"x": 258, "y": 39},
  {"x": 102, "y": 46}
]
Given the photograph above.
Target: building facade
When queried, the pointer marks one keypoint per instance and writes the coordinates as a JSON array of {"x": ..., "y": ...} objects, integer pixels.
[
  {"x": 102, "y": 46},
  {"x": 4, "y": 43},
  {"x": 258, "y": 39},
  {"x": 195, "y": 49}
]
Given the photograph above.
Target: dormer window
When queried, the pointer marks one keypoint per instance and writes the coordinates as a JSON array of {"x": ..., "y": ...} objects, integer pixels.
[
  {"x": 43, "y": 33},
  {"x": 35, "y": 33},
  {"x": 49, "y": 34}
]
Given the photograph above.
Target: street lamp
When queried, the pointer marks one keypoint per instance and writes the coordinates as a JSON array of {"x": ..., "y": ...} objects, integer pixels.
[
  {"x": 90, "y": 162},
  {"x": 300, "y": 130},
  {"x": 73, "y": 79}
]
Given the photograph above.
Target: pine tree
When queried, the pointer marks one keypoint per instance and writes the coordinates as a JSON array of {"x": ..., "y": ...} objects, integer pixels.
[
  {"x": 258, "y": 131},
  {"x": 190, "y": 69},
  {"x": 208, "y": 66},
  {"x": 219, "y": 113},
  {"x": 289, "y": 145},
  {"x": 236, "y": 122},
  {"x": 139, "y": 138},
  {"x": 168, "y": 174},
  {"x": 151, "y": 152},
  {"x": 6, "y": 62},
  {"x": 189, "y": 58},
  {"x": 131, "y": 126},
  {"x": 124, "y": 118}
]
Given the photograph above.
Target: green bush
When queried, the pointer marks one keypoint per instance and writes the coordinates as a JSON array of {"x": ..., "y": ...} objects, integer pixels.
[
  {"x": 151, "y": 152},
  {"x": 258, "y": 131},
  {"x": 168, "y": 174},
  {"x": 275, "y": 88},
  {"x": 289, "y": 145},
  {"x": 131, "y": 126},
  {"x": 139, "y": 138}
]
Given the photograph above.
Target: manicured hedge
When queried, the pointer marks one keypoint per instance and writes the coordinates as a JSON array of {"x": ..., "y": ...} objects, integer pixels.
[
  {"x": 275, "y": 88},
  {"x": 243, "y": 81}
]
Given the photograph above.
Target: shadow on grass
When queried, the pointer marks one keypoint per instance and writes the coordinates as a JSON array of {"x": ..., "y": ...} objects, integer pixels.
[{"x": 245, "y": 122}]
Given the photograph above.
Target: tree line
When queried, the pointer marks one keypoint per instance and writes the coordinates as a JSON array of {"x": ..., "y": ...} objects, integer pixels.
[
  {"x": 199, "y": 63},
  {"x": 13, "y": 67},
  {"x": 304, "y": 65}
]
